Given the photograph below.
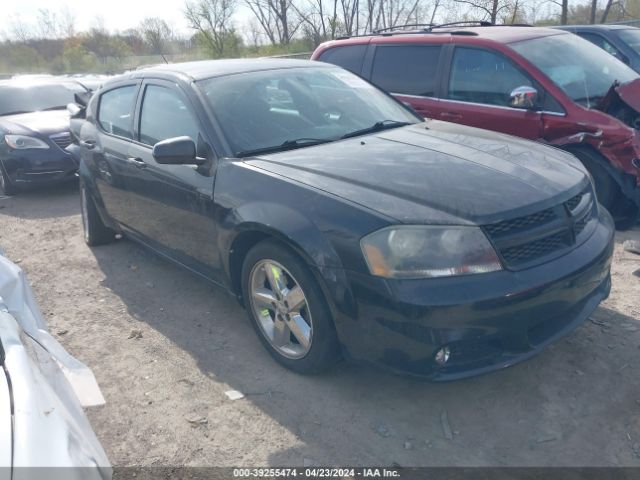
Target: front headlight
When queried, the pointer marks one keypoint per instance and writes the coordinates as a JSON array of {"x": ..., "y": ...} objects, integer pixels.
[
  {"x": 428, "y": 251},
  {"x": 24, "y": 142}
]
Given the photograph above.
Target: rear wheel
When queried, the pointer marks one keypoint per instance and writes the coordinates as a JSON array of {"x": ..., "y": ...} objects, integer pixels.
[
  {"x": 288, "y": 310},
  {"x": 95, "y": 231},
  {"x": 5, "y": 184}
]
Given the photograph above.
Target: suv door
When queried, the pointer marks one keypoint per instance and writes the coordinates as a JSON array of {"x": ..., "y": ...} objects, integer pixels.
[
  {"x": 173, "y": 204},
  {"x": 409, "y": 72},
  {"x": 477, "y": 93},
  {"x": 105, "y": 146}
]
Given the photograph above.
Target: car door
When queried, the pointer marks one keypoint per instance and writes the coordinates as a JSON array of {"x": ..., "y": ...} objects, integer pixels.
[
  {"x": 477, "y": 92},
  {"x": 410, "y": 72},
  {"x": 106, "y": 147},
  {"x": 172, "y": 205}
]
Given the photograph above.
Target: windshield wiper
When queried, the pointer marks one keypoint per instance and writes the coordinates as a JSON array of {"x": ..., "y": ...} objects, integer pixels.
[
  {"x": 286, "y": 145},
  {"x": 58, "y": 107},
  {"x": 377, "y": 127}
]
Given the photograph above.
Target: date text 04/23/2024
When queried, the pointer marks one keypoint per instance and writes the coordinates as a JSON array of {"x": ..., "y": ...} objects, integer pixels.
[{"x": 319, "y": 472}]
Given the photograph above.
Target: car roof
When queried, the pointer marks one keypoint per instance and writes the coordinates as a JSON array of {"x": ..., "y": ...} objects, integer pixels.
[
  {"x": 27, "y": 82},
  {"x": 497, "y": 33},
  {"x": 217, "y": 68},
  {"x": 596, "y": 27}
]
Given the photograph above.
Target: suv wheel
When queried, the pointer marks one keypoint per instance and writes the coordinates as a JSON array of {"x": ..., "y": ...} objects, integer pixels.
[
  {"x": 95, "y": 231},
  {"x": 5, "y": 184},
  {"x": 288, "y": 310}
]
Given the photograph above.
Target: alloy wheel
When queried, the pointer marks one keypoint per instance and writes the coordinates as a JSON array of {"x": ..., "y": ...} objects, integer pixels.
[{"x": 281, "y": 309}]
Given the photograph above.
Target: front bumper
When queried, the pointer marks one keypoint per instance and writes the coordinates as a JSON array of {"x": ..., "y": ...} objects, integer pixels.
[
  {"x": 38, "y": 167},
  {"x": 488, "y": 321}
]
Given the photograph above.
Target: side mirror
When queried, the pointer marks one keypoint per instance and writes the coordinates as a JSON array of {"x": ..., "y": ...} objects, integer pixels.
[
  {"x": 73, "y": 109},
  {"x": 523, "y": 97},
  {"x": 176, "y": 151}
]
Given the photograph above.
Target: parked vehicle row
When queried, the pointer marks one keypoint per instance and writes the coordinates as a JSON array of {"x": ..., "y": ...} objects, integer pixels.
[
  {"x": 343, "y": 221},
  {"x": 537, "y": 83}
]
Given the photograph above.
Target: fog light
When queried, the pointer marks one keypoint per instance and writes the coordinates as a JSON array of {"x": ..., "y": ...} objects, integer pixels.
[{"x": 442, "y": 355}]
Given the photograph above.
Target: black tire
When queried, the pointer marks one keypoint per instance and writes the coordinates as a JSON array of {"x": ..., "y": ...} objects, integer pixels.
[
  {"x": 95, "y": 231},
  {"x": 5, "y": 184},
  {"x": 607, "y": 190},
  {"x": 324, "y": 350}
]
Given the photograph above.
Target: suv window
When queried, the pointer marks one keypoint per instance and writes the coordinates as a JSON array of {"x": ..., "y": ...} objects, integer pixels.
[
  {"x": 406, "y": 69},
  {"x": 116, "y": 110},
  {"x": 480, "y": 76},
  {"x": 165, "y": 115},
  {"x": 349, "y": 57}
]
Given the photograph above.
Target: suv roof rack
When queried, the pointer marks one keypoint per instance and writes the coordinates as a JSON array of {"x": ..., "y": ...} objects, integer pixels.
[
  {"x": 408, "y": 25},
  {"x": 421, "y": 28}
]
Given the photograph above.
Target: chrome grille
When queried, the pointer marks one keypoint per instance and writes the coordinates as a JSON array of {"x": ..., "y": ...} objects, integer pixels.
[
  {"x": 524, "y": 241},
  {"x": 63, "y": 140}
]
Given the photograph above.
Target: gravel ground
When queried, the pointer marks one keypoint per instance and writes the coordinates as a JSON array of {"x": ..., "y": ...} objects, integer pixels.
[{"x": 166, "y": 346}]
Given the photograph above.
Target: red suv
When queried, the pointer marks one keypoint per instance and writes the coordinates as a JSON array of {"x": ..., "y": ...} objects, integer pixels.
[{"x": 537, "y": 83}]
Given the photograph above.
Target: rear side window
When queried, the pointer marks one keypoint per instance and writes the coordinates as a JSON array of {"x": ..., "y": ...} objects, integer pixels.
[
  {"x": 116, "y": 111},
  {"x": 349, "y": 57},
  {"x": 165, "y": 115},
  {"x": 406, "y": 69},
  {"x": 480, "y": 76}
]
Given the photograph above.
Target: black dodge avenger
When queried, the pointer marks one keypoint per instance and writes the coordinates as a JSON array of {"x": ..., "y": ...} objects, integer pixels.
[
  {"x": 343, "y": 222},
  {"x": 34, "y": 132}
]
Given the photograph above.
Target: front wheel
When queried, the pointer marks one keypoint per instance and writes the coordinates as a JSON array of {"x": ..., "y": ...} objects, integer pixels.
[
  {"x": 288, "y": 310},
  {"x": 95, "y": 231},
  {"x": 5, "y": 184}
]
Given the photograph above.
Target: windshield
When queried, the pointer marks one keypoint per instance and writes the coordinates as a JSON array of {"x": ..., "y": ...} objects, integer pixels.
[
  {"x": 290, "y": 108},
  {"x": 631, "y": 37},
  {"x": 16, "y": 98},
  {"x": 583, "y": 72}
]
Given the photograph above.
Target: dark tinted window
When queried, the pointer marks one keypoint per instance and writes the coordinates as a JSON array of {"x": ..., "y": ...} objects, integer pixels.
[
  {"x": 480, "y": 76},
  {"x": 603, "y": 43},
  {"x": 116, "y": 111},
  {"x": 407, "y": 69},
  {"x": 349, "y": 57},
  {"x": 18, "y": 97},
  {"x": 165, "y": 115}
]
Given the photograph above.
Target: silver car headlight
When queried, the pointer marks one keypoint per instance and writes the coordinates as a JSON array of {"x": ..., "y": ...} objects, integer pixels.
[
  {"x": 428, "y": 251},
  {"x": 24, "y": 142}
]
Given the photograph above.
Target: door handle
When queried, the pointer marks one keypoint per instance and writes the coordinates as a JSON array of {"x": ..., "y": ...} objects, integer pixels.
[
  {"x": 137, "y": 161},
  {"x": 451, "y": 116},
  {"x": 88, "y": 144}
]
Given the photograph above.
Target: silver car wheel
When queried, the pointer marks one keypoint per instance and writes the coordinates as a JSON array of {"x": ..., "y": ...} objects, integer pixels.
[{"x": 281, "y": 309}]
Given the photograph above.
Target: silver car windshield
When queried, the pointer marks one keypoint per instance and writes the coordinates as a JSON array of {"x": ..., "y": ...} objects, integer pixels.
[
  {"x": 289, "y": 108},
  {"x": 583, "y": 71}
]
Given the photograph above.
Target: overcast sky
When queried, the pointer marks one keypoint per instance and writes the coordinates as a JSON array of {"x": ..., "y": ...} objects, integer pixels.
[{"x": 117, "y": 14}]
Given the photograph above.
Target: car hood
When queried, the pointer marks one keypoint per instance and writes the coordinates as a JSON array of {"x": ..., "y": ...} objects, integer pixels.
[
  {"x": 42, "y": 123},
  {"x": 436, "y": 172},
  {"x": 628, "y": 93}
]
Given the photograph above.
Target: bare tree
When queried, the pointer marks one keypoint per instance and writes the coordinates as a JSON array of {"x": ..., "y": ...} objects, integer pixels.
[
  {"x": 593, "y": 11},
  {"x": 212, "y": 19},
  {"x": 67, "y": 22},
  {"x": 46, "y": 25},
  {"x": 280, "y": 19},
  {"x": 18, "y": 29},
  {"x": 489, "y": 8},
  {"x": 156, "y": 33}
]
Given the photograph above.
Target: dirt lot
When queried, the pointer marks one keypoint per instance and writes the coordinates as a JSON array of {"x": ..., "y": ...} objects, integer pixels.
[{"x": 165, "y": 346}]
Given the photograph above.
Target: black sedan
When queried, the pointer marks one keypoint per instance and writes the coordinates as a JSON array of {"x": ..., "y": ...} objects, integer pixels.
[
  {"x": 342, "y": 221},
  {"x": 34, "y": 132}
]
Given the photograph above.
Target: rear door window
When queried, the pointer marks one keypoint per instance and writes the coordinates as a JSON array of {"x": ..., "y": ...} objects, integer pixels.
[
  {"x": 165, "y": 115},
  {"x": 407, "y": 69},
  {"x": 116, "y": 111},
  {"x": 481, "y": 76},
  {"x": 349, "y": 57}
]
